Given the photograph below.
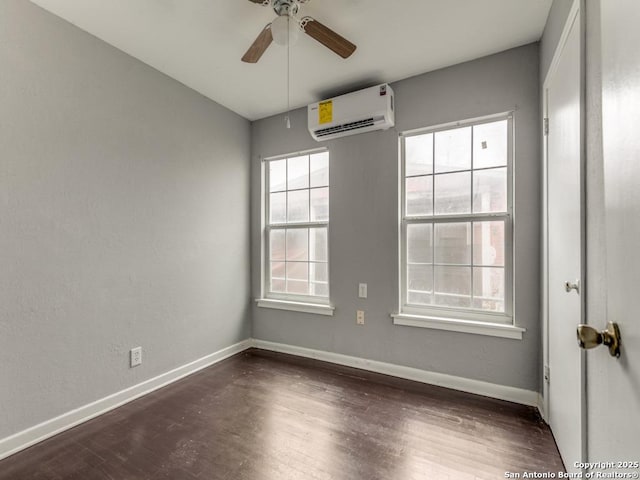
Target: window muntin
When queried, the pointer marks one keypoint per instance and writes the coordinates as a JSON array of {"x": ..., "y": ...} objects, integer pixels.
[
  {"x": 297, "y": 222},
  {"x": 456, "y": 240}
]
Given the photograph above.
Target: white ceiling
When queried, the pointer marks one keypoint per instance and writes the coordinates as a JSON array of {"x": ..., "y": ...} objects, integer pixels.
[{"x": 200, "y": 42}]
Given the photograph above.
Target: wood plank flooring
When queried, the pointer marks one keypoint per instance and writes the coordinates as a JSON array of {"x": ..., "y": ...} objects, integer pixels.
[{"x": 266, "y": 416}]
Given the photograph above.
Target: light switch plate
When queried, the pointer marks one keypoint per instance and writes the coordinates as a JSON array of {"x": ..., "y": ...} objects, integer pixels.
[{"x": 362, "y": 290}]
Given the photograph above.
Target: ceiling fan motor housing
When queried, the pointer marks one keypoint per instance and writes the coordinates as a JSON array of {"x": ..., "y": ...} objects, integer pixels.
[{"x": 286, "y": 7}]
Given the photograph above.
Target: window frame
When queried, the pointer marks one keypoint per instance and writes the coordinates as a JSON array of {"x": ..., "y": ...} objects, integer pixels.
[
  {"x": 442, "y": 317},
  {"x": 283, "y": 300}
]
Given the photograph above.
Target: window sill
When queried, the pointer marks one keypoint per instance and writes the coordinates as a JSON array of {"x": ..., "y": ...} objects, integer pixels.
[
  {"x": 453, "y": 325},
  {"x": 316, "y": 308}
]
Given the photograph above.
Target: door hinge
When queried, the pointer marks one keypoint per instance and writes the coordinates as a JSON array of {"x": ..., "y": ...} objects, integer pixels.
[
  {"x": 546, "y": 127},
  {"x": 547, "y": 373}
]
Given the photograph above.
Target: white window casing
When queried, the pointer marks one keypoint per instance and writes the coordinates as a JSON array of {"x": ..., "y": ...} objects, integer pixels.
[
  {"x": 297, "y": 277},
  {"x": 434, "y": 297}
]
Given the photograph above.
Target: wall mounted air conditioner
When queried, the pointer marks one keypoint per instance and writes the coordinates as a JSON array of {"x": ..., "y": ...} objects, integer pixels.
[{"x": 357, "y": 112}]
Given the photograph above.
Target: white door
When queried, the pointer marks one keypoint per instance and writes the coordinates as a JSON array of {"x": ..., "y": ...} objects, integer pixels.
[
  {"x": 614, "y": 393},
  {"x": 564, "y": 244}
]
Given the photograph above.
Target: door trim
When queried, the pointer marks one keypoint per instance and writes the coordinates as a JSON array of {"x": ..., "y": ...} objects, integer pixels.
[{"x": 576, "y": 14}]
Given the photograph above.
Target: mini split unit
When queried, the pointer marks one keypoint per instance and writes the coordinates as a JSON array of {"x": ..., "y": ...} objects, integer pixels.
[{"x": 357, "y": 112}]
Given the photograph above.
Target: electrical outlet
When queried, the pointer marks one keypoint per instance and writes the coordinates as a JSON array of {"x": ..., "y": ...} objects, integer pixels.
[
  {"x": 362, "y": 290},
  {"x": 360, "y": 317},
  {"x": 136, "y": 356}
]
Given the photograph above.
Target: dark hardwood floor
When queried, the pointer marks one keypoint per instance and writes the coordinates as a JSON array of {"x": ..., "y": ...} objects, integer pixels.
[{"x": 267, "y": 416}]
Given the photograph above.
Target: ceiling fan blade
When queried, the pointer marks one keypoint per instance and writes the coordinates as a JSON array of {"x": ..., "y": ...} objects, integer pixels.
[
  {"x": 327, "y": 37},
  {"x": 259, "y": 46},
  {"x": 263, "y": 2}
]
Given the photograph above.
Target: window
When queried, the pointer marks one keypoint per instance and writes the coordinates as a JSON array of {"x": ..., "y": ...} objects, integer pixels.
[
  {"x": 456, "y": 247},
  {"x": 296, "y": 233}
]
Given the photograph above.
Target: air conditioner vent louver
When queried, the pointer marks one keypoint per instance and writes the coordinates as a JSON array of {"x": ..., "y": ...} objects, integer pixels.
[
  {"x": 323, "y": 132},
  {"x": 358, "y": 112}
]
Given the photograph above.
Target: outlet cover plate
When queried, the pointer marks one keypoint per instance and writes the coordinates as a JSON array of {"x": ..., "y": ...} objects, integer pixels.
[{"x": 136, "y": 356}]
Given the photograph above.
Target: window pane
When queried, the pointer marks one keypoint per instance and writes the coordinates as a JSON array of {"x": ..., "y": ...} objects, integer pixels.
[
  {"x": 319, "y": 169},
  {"x": 278, "y": 272},
  {"x": 279, "y": 286},
  {"x": 453, "y": 243},
  {"x": 453, "y": 193},
  {"x": 419, "y": 194},
  {"x": 297, "y": 271},
  {"x": 278, "y": 207},
  {"x": 490, "y": 190},
  {"x": 298, "y": 172},
  {"x": 298, "y": 277},
  {"x": 319, "y": 272},
  {"x": 319, "y": 289},
  {"x": 297, "y": 256},
  {"x": 454, "y": 178},
  {"x": 419, "y": 298},
  {"x": 277, "y": 244},
  {"x": 453, "y": 286},
  {"x": 298, "y": 206},
  {"x": 453, "y": 150},
  {"x": 319, "y": 277},
  {"x": 318, "y": 251},
  {"x": 278, "y": 175},
  {"x": 488, "y": 288},
  {"x": 490, "y": 144},
  {"x": 419, "y": 243},
  {"x": 419, "y": 155},
  {"x": 419, "y": 284},
  {"x": 320, "y": 204},
  {"x": 488, "y": 243},
  {"x": 297, "y": 244}
]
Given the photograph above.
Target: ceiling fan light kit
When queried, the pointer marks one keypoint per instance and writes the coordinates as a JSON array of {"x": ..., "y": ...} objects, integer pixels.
[{"x": 283, "y": 31}]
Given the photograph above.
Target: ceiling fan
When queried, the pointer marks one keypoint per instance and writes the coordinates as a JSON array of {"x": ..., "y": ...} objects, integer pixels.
[{"x": 287, "y": 10}]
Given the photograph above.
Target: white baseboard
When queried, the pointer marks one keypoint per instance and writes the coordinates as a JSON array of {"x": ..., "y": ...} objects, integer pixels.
[
  {"x": 541, "y": 409},
  {"x": 49, "y": 428},
  {"x": 502, "y": 392}
]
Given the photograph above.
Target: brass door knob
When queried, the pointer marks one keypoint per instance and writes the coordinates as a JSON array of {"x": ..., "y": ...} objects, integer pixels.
[{"x": 589, "y": 337}]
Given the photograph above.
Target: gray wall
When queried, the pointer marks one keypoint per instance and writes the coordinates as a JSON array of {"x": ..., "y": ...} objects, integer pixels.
[
  {"x": 364, "y": 217},
  {"x": 124, "y": 220},
  {"x": 552, "y": 32}
]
